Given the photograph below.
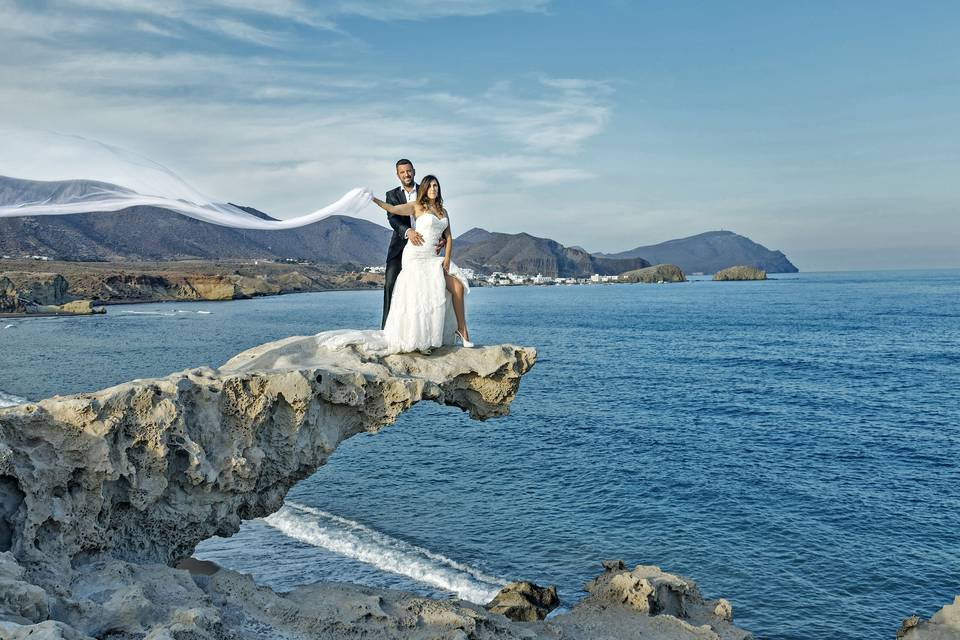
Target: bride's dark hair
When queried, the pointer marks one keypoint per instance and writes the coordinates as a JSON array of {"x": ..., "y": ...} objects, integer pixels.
[{"x": 424, "y": 201}]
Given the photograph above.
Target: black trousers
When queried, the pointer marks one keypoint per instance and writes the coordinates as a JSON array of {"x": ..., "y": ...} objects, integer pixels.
[{"x": 393, "y": 270}]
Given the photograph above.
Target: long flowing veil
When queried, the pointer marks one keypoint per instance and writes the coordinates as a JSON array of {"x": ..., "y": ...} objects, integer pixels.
[{"x": 44, "y": 173}]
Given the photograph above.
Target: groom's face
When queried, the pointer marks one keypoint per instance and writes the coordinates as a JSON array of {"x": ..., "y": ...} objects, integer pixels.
[{"x": 406, "y": 174}]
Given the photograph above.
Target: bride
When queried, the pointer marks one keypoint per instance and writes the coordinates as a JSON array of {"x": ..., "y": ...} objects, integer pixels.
[
  {"x": 418, "y": 308},
  {"x": 418, "y": 318}
]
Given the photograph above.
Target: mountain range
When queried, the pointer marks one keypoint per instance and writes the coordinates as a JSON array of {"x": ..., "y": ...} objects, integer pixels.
[
  {"x": 523, "y": 253},
  {"x": 148, "y": 233},
  {"x": 710, "y": 252}
]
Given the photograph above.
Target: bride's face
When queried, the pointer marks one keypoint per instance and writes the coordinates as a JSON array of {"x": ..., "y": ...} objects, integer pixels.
[{"x": 433, "y": 190}]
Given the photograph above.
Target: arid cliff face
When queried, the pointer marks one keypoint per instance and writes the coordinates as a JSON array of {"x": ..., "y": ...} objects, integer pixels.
[{"x": 78, "y": 287}]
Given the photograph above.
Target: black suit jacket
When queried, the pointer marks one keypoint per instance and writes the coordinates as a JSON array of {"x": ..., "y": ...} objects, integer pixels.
[{"x": 400, "y": 225}]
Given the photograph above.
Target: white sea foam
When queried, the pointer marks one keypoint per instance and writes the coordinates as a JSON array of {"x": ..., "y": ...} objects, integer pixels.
[
  {"x": 163, "y": 313},
  {"x": 387, "y": 553},
  {"x": 9, "y": 326},
  {"x": 10, "y": 400}
]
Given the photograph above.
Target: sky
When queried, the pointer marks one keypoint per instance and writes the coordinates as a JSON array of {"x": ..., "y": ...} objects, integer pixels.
[{"x": 828, "y": 130}]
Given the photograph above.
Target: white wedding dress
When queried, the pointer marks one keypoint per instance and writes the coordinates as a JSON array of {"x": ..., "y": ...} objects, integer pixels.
[{"x": 421, "y": 310}]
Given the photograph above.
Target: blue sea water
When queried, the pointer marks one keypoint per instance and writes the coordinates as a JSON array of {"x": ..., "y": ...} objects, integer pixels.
[{"x": 792, "y": 445}]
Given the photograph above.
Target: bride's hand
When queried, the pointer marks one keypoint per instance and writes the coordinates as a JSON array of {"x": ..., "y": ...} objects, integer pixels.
[{"x": 446, "y": 267}]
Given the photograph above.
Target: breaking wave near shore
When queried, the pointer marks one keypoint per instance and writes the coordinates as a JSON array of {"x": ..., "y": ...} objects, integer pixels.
[
  {"x": 10, "y": 400},
  {"x": 359, "y": 542}
]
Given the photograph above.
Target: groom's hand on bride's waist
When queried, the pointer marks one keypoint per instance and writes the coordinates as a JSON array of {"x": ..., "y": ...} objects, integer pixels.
[{"x": 414, "y": 237}]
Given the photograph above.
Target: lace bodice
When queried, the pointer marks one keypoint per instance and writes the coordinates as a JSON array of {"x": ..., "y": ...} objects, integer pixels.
[{"x": 430, "y": 227}]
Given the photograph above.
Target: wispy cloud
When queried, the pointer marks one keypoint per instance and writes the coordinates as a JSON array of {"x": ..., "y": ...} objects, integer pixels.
[
  {"x": 151, "y": 28},
  {"x": 243, "y": 31},
  {"x": 560, "y": 116},
  {"x": 427, "y": 9},
  {"x": 264, "y": 120},
  {"x": 560, "y": 175}
]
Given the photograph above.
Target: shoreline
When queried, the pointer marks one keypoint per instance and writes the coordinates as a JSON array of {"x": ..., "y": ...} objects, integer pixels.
[
  {"x": 116, "y": 303},
  {"x": 120, "y": 283}
]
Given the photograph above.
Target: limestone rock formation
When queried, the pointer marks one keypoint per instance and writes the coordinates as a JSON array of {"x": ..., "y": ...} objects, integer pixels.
[
  {"x": 672, "y": 607},
  {"x": 524, "y": 601},
  {"x": 655, "y": 274},
  {"x": 146, "y": 470},
  {"x": 943, "y": 625},
  {"x": 102, "y": 493},
  {"x": 741, "y": 272}
]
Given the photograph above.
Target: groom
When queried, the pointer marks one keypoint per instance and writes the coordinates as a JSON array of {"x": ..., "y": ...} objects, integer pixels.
[{"x": 402, "y": 230}]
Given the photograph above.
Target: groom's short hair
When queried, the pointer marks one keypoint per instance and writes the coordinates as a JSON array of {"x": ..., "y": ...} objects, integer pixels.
[{"x": 402, "y": 161}]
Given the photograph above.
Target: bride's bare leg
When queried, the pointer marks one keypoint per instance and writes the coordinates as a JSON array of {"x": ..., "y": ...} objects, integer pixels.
[{"x": 455, "y": 287}]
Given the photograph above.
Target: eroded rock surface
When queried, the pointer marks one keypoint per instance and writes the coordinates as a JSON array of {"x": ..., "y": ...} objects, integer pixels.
[
  {"x": 524, "y": 601},
  {"x": 101, "y": 493},
  {"x": 646, "y": 602},
  {"x": 943, "y": 625},
  {"x": 146, "y": 470}
]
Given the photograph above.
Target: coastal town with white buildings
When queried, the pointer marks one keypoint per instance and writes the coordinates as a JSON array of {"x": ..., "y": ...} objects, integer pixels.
[{"x": 501, "y": 279}]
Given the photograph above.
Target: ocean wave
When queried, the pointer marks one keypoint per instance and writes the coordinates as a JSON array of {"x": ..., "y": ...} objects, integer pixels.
[
  {"x": 359, "y": 542},
  {"x": 163, "y": 313},
  {"x": 10, "y": 400}
]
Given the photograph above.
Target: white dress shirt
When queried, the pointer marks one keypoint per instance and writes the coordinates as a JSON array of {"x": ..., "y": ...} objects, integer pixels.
[{"x": 409, "y": 195}]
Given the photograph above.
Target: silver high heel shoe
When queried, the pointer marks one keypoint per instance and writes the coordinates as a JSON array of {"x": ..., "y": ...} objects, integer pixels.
[{"x": 464, "y": 341}]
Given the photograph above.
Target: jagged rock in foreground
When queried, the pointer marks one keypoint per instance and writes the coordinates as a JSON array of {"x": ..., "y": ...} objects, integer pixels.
[
  {"x": 943, "y": 625},
  {"x": 101, "y": 493},
  {"x": 146, "y": 470},
  {"x": 524, "y": 601}
]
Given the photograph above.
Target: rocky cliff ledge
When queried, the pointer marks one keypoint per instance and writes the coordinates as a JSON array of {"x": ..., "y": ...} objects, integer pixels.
[
  {"x": 101, "y": 493},
  {"x": 943, "y": 625}
]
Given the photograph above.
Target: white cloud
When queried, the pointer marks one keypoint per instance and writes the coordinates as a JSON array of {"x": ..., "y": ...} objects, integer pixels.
[
  {"x": 426, "y": 9},
  {"x": 560, "y": 175},
  {"x": 248, "y": 33},
  {"x": 17, "y": 22},
  {"x": 558, "y": 122},
  {"x": 149, "y": 27},
  {"x": 286, "y": 133}
]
